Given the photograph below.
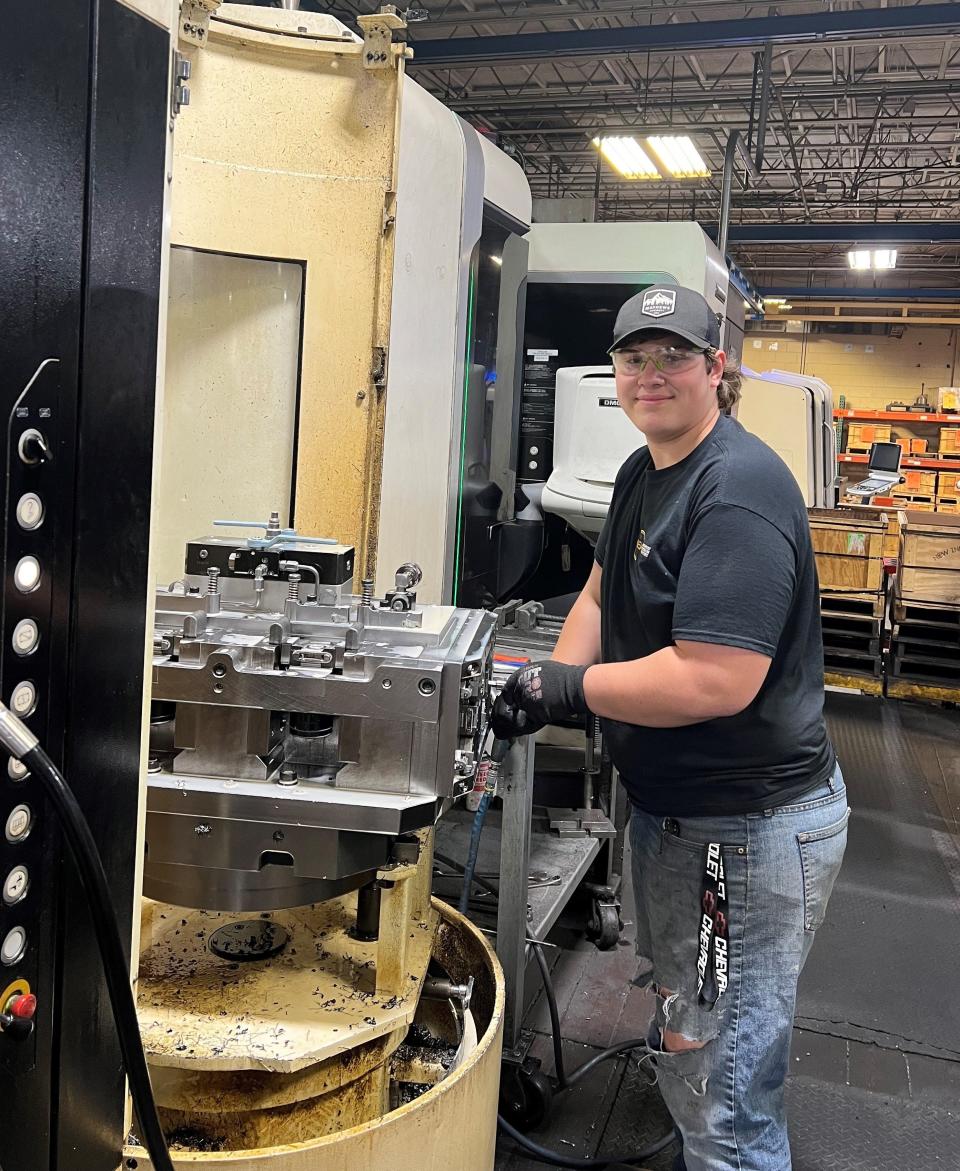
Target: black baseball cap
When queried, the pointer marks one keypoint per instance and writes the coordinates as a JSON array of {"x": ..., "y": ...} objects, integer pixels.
[{"x": 667, "y": 309}]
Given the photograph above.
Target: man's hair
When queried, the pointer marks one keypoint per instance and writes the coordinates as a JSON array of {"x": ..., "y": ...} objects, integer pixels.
[{"x": 728, "y": 389}]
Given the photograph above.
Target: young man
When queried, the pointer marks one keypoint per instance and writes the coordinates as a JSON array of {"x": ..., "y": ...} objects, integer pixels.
[{"x": 697, "y": 641}]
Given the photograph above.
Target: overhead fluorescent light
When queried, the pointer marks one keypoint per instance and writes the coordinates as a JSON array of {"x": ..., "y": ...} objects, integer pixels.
[
  {"x": 679, "y": 156},
  {"x": 879, "y": 258},
  {"x": 627, "y": 156}
]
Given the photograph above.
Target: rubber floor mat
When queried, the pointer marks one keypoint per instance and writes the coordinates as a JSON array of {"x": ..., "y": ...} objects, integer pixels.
[{"x": 893, "y": 925}]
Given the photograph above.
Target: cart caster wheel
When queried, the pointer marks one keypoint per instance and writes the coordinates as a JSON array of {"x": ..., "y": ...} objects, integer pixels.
[
  {"x": 604, "y": 925},
  {"x": 526, "y": 1095}
]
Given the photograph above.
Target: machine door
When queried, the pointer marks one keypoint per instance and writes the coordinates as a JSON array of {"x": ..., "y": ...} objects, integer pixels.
[{"x": 83, "y": 130}]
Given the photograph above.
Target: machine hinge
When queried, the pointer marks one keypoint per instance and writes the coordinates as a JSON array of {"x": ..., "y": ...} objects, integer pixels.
[
  {"x": 179, "y": 91},
  {"x": 195, "y": 21},
  {"x": 378, "y": 29}
]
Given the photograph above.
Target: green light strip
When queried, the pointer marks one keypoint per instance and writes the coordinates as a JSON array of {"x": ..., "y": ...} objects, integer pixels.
[{"x": 463, "y": 434}]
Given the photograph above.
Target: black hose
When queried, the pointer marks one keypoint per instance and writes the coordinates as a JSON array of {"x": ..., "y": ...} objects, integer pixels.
[
  {"x": 476, "y": 830},
  {"x": 614, "y": 1051},
  {"x": 115, "y": 966},
  {"x": 557, "y": 1159},
  {"x": 551, "y": 996},
  {"x": 498, "y": 752}
]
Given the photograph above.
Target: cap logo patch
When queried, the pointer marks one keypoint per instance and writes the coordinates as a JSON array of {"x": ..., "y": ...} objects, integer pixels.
[{"x": 658, "y": 303}]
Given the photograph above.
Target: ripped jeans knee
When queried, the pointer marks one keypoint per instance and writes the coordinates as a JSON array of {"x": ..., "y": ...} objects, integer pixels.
[{"x": 679, "y": 1040}]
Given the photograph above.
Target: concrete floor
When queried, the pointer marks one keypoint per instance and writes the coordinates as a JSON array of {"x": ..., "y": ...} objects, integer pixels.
[{"x": 875, "y": 1079}]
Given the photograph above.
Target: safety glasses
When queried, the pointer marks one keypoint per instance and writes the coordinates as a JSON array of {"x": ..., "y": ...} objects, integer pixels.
[{"x": 667, "y": 359}]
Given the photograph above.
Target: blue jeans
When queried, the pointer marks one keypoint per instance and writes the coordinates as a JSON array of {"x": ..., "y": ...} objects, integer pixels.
[{"x": 726, "y": 1097}]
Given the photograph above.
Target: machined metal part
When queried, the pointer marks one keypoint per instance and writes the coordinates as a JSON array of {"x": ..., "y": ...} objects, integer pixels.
[{"x": 308, "y": 735}]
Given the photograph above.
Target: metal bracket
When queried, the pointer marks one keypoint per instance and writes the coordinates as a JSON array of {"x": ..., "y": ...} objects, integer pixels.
[
  {"x": 378, "y": 29},
  {"x": 578, "y": 823},
  {"x": 195, "y": 20},
  {"x": 179, "y": 90}
]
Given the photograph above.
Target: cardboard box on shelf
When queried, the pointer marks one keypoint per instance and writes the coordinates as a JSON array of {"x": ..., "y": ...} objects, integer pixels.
[
  {"x": 863, "y": 434},
  {"x": 948, "y": 399}
]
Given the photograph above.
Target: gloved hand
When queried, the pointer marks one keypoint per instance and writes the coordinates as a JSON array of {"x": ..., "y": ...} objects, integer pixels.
[{"x": 537, "y": 695}]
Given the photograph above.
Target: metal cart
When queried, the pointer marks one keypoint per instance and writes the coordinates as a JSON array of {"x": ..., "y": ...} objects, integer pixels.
[{"x": 540, "y": 856}]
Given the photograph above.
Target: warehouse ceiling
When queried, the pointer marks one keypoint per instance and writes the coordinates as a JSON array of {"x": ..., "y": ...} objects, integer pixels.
[{"x": 862, "y": 117}]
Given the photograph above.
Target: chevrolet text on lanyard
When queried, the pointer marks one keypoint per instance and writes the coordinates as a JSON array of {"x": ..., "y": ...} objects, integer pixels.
[{"x": 712, "y": 957}]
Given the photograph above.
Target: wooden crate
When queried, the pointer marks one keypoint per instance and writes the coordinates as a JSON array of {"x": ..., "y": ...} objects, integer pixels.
[
  {"x": 947, "y": 504},
  {"x": 848, "y": 544},
  {"x": 916, "y": 484},
  {"x": 929, "y": 568},
  {"x": 918, "y": 446},
  {"x": 891, "y": 512},
  {"x": 863, "y": 434},
  {"x": 948, "y": 483},
  {"x": 950, "y": 440}
]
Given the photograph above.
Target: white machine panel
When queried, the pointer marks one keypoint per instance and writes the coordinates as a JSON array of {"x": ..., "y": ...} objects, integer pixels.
[
  {"x": 782, "y": 416},
  {"x": 677, "y": 253},
  {"x": 592, "y": 438}
]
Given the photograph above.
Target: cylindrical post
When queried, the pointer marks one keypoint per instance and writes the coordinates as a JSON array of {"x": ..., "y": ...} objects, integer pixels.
[
  {"x": 368, "y": 912},
  {"x": 213, "y": 590}
]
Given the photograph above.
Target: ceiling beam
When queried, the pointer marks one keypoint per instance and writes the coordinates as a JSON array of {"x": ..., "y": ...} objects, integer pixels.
[
  {"x": 693, "y": 36},
  {"x": 843, "y": 233}
]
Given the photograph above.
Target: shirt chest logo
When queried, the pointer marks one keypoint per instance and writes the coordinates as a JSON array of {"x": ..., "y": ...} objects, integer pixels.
[{"x": 641, "y": 548}]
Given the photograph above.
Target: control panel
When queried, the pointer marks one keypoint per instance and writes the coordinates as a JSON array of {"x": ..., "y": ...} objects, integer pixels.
[{"x": 30, "y": 546}]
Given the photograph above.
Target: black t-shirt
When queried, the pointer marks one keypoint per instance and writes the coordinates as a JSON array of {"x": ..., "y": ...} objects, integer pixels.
[{"x": 717, "y": 549}]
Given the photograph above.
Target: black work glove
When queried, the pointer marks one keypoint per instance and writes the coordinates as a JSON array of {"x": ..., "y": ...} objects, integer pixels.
[{"x": 537, "y": 695}]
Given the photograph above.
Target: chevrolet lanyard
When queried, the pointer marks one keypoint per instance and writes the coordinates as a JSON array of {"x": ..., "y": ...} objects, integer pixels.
[{"x": 712, "y": 956}]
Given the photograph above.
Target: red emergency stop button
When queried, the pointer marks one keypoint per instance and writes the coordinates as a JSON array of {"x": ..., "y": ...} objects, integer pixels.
[{"x": 23, "y": 1007}]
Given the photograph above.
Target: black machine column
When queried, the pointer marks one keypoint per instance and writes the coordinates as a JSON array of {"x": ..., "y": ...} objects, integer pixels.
[{"x": 83, "y": 125}]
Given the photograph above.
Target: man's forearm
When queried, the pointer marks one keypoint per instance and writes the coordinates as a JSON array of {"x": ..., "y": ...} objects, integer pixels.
[
  {"x": 579, "y": 641},
  {"x": 664, "y": 690}
]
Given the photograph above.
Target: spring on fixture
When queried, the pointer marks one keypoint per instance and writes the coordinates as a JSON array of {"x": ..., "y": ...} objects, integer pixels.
[{"x": 366, "y": 594}]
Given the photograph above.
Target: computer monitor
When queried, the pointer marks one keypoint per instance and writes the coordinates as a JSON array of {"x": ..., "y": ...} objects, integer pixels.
[{"x": 885, "y": 457}]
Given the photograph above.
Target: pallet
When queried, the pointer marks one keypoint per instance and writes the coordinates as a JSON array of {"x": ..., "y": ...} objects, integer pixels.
[
  {"x": 848, "y": 604},
  {"x": 926, "y": 670},
  {"x": 856, "y": 625},
  {"x": 836, "y": 644},
  {"x": 846, "y": 662},
  {"x": 926, "y": 613}
]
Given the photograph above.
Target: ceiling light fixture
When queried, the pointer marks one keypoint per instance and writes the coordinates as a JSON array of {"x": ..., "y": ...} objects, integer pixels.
[
  {"x": 679, "y": 156},
  {"x": 880, "y": 258},
  {"x": 627, "y": 156},
  {"x": 859, "y": 259}
]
